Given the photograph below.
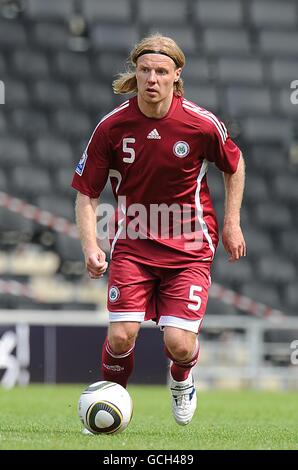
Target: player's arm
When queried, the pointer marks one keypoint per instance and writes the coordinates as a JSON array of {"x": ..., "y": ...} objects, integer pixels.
[
  {"x": 95, "y": 258},
  {"x": 232, "y": 236}
]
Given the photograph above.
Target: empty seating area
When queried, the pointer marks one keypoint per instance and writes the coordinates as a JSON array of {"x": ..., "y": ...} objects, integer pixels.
[{"x": 241, "y": 59}]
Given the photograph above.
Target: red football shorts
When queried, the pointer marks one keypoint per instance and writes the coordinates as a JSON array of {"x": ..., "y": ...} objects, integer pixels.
[{"x": 169, "y": 296}]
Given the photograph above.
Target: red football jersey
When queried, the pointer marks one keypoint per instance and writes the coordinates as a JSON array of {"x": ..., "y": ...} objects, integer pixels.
[{"x": 158, "y": 171}]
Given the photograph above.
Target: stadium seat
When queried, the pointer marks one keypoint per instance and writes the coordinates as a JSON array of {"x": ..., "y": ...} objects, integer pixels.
[
  {"x": 72, "y": 65},
  {"x": 291, "y": 297},
  {"x": 60, "y": 207},
  {"x": 286, "y": 189},
  {"x": 183, "y": 35},
  {"x": 234, "y": 70},
  {"x": 16, "y": 93},
  {"x": 29, "y": 63},
  {"x": 70, "y": 252},
  {"x": 55, "y": 9},
  {"x": 111, "y": 37},
  {"x": 14, "y": 228},
  {"x": 267, "y": 129},
  {"x": 256, "y": 189},
  {"x": 167, "y": 12},
  {"x": 196, "y": 70},
  {"x": 3, "y": 181},
  {"x": 267, "y": 13},
  {"x": 203, "y": 95},
  {"x": 53, "y": 152},
  {"x": 2, "y": 64},
  {"x": 107, "y": 65},
  {"x": 213, "y": 12},
  {"x": 29, "y": 123},
  {"x": 226, "y": 41},
  {"x": 14, "y": 152},
  {"x": 288, "y": 242},
  {"x": 51, "y": 94},
  {"x": 278, "y": 43},
  {"x": 273, "y": 216},
  {"x": 50, "y": 36},
  {"x": 63, "y": 179},
  {"x": 258, "y": 242},
  {"x": 112, "y": 10},
  {"x": 3, "y": 124},
  {"x": 72, "y": 123},
  {"x": 31, "y": 261},
  {"x": 227, "y": 273},
  {"x": 283, "y": 71},
  {"x": 267, "y": 159},
  {"x": 12, "y": 34},
  {"x": 247, "y": 101},
  {"x": 276, "y": 270},
  {"x": 217, "y": 307},
  {"x": 95, "y": 95},
  {"x": 30, "y": 181},
  {"x": 261, "y": 292}
]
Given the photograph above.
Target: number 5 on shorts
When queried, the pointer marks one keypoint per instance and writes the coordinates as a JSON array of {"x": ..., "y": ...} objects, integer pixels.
[{"x": 194, "y": 297}]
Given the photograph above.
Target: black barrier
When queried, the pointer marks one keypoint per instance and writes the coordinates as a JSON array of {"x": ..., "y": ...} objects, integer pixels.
[{"x": 72, "y": 354}]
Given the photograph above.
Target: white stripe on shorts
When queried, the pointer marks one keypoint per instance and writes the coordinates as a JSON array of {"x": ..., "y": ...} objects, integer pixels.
[
  {"x": 182, "y": 323},
  {"x": 126, "y": 316}
]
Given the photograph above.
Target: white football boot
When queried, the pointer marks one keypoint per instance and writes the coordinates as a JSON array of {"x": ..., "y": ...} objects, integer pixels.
[{"x": 184, "y": 399}]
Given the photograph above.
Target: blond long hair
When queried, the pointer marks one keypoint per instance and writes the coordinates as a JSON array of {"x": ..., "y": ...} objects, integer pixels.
[{"x": 127, "y": 82}]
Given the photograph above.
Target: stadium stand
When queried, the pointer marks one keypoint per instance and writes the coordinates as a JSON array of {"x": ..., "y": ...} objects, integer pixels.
[{"x": 241, "y": 59}]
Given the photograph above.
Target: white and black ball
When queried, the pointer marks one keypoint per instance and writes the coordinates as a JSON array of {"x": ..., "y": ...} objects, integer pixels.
[{"x": 105, "y": 408}]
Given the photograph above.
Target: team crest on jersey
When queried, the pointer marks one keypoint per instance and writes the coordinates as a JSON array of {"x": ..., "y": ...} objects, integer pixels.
[
  {"x": 114, "y": 294},
  {"x": 181, "y": 149},
  {"x": 81, "y": 165}
]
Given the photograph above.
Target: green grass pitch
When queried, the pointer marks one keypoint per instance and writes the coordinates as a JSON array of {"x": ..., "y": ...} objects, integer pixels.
[{"x": 45, "y": 417}]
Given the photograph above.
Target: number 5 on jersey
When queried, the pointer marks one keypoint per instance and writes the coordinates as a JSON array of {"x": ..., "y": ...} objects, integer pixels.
[
  {"x": 130, "y": 150},
  {"x": 194, "y": 297}
]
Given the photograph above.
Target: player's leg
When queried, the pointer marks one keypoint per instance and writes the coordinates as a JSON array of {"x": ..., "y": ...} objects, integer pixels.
[
  {"x": 130, "y": 287},
  {"x": 118, "y": 352},
  {"x": 183, "y": 349},
  {"x": 182, "y": 304}
]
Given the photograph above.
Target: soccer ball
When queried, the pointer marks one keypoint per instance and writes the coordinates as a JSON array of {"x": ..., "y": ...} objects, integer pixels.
[{"x": 105, "y": 408}]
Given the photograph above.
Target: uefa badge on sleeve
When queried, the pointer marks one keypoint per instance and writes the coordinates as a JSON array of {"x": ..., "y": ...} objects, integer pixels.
[
  {"x": 181, "y": 149},
  {"x": 81, "y": 165}
]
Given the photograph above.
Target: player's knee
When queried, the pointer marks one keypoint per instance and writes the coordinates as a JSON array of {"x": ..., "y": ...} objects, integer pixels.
[
  {"x": 179, "y": 351},
  {"x": 121, "y": 342}
]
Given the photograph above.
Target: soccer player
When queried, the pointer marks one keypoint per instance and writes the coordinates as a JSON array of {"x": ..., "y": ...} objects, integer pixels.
[{"x": 156, "y": 147}]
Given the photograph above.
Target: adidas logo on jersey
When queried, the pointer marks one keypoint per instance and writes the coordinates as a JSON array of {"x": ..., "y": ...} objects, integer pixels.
[{"x": 153, "y": 135}]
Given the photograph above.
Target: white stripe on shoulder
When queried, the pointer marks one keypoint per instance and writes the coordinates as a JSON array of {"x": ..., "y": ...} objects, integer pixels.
[
  {"x": 116, "y": 110},
  {"x": 208, "y": 115},
  {"x": 206, "y": 112}
]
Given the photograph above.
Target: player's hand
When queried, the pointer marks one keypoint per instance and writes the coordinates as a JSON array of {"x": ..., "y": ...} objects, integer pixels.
[
  {"x": 96, "y": 264},
  {"x": 233, "y": 241}
]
